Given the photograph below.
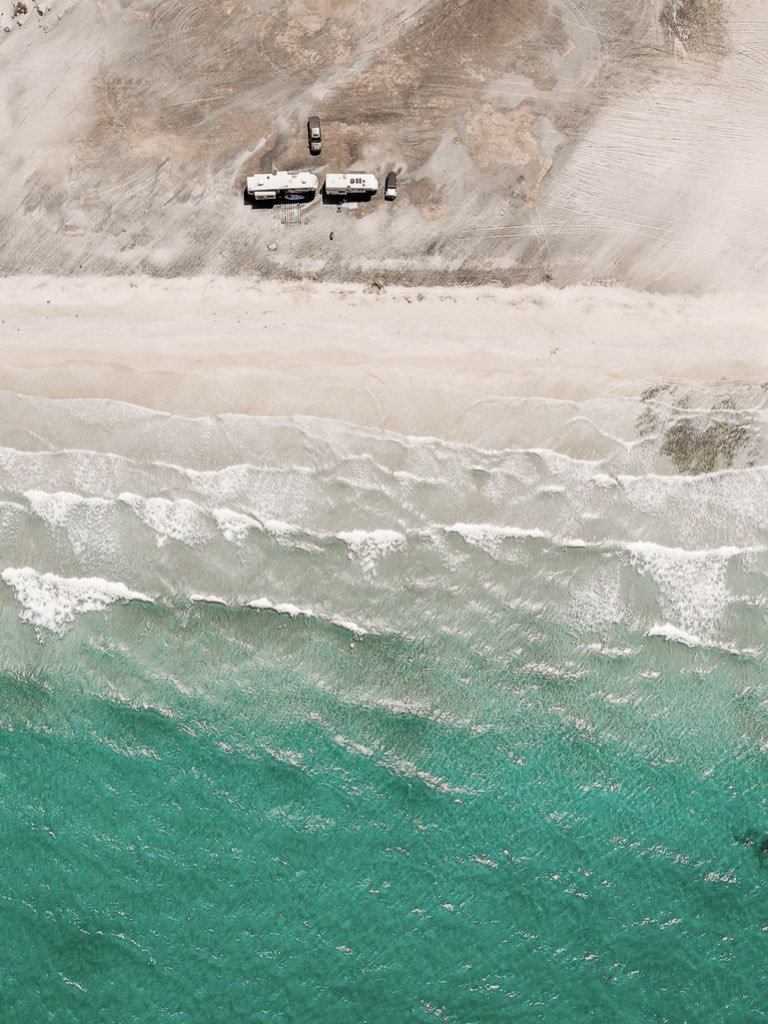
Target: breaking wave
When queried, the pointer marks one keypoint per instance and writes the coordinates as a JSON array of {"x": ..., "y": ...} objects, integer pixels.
[
  {"x": 381, "y": 534},
  {"x": 53, "y": 601}
]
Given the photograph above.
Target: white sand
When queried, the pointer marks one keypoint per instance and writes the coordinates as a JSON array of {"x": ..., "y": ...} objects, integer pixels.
[{"x": 441, "y": 362}]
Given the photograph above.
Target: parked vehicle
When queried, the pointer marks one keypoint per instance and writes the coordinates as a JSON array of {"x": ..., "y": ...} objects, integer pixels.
[
  {"x": 314, "y": 135},
  {"x": 390, "y": 187},
  {"x": 355, "y": 184},
  {"x": 296, "y": 185}
]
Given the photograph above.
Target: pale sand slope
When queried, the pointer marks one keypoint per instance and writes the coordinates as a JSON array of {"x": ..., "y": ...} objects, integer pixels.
[{"x": 439, "y": 363}]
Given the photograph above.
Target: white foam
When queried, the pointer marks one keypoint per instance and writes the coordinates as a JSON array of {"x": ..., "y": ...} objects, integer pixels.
[
  {"x": 280, "y": 529},
  {"x": 650, "y": 550},
  {"x": 89, "y": 522},
  {"x": 235, "y": 525},
  {"x": 282, "y": 608},
  {"x": 57, "y": 508},
  {"x": 612, "y": 652},
  {"x": 294, "y": 611},
  {"x": 368, "y": 546},
  {"x": 348, "y": 624},
  {"x": 352, "y": 747},
  {"x": 180, "y": 520},
  {"x": 52, "y": 602},
  {"x": 490, "y": 537},
  {"x": 407, "y": 769},
  {"x": 398, "y": 765},
  {"x": 667, "y": 631},
  {"x": 692, "y": 591},
  {"x": 397, "y": 707}
]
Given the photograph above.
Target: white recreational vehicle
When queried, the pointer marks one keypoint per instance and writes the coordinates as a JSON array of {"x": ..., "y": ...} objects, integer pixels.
[
  {"x": 282, "y": 185},
  {"x": 354, "y": 184}
]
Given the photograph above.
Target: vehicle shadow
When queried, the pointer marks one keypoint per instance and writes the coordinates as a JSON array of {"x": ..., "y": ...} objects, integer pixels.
[{"x": 364, "y": 197}]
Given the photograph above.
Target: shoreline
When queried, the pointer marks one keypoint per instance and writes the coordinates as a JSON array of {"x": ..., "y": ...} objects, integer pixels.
[{"x": 438, "y": 362}]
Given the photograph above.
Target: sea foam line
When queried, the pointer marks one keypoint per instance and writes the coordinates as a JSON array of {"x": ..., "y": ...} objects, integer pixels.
[
  {"x": 196, "y": 524},
  {"x": 672, "y": 634},
  {"x": 293, "y": 611}
]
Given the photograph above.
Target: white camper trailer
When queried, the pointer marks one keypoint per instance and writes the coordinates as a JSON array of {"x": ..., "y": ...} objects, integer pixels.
[
  {"x": 354, "y": 184},
  {"x": 282, "y": 185}
]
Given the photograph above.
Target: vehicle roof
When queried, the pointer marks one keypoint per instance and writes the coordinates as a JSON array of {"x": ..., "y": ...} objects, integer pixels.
[
  {"x": 283, "y": 179},
  {"x": 348, "y": 176}
]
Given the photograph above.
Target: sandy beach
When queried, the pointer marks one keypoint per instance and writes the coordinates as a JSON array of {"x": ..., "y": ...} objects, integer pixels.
[{"x": 442, "y": 362}]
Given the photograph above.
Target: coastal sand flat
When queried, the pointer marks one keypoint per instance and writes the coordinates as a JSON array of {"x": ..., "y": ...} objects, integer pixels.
[{"x": 576, "y": 141}]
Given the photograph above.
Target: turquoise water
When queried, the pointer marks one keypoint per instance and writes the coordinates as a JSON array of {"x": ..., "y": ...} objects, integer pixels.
[{"x": 294, "y": 733}]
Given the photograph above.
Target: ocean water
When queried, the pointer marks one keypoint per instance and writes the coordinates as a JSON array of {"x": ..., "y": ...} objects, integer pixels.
[{"x": 301, "y": 721}]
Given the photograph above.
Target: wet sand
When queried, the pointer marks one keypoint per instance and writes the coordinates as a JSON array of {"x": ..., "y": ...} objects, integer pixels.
[{"x": 442, "y": 362}]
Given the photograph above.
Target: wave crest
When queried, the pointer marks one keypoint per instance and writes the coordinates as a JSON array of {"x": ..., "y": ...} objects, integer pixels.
[{"x": 52, "y": 602}]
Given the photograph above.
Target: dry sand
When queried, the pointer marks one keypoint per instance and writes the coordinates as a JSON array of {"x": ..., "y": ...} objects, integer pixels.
[
  {"x": 577, "y": 143},
  {"x": 571, "y": 141},
  {"x": 445, "y": 362}
]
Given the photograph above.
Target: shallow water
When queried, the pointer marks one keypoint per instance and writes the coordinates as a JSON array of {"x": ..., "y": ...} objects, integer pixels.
[{"x": 303, "y": 721}]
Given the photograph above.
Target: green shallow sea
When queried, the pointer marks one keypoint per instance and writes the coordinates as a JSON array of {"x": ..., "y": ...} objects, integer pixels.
[{"x": 332, "y": 754}]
